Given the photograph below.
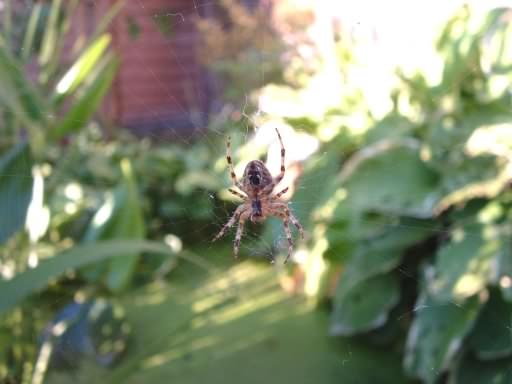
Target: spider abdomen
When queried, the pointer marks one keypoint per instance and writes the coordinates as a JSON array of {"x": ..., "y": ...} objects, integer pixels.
[{"x": 256, "y": 176}]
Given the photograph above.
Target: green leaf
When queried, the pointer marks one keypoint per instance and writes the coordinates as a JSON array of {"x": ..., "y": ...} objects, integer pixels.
[
  {"x": 28, "y": 282},
  {"x": 87, "y": 103},
  {"x": 469, "y": 370},
  {"x": 505, "y": 271},
  {"x": 491, "y": 337},
  {"x": 392, "y": 126},
  {"x": 17, "y": 93},
  {"x": 384, "y": 252},
  {"x": 436, "y": 335},
  {"x": 474, "y": 177},
  {"x": 452, "y": 144},
  {"x": 365, "y": 305},
  {"x": 389, "y": 177},
  {"x": 30, "y": 33},
  {"x": 120, "y": 217},
  {"x": 107, "y": 19},
  {"x": 466, "y": 265},
  {"x": 82, "y": 68},
  {"x": 51, "y": 34},
  {"x": 15, "y": 189},
  {"x": 7, "y": 22}
]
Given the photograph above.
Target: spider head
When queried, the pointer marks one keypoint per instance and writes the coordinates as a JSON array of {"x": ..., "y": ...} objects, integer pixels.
[{"x": 256, "y": 175}]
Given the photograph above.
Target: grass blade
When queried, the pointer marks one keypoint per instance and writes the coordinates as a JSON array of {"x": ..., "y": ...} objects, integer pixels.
[
  {"x": 30, "y": 33},
  {"x": 88, "y": 102},
  {"x": 22, "y": 285},
  {"x": 82, "y": 68}
]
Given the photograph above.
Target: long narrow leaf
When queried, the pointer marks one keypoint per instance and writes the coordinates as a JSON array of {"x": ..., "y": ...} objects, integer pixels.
[
  {"x": 88, "y": 102},
  {"x": 50, "y": 70},
  {"x": 81, "y": 68},
  {"x": 107, "y": 18},
  {"x": 19, "y": 97},
  {"x": 17, "y": 93},
  {"x": 130, "y": 222},
  {"x": 30, "y": 33},
  {"x": 15, "y": 189},
  {"x": 22, "y": 285},
  {"x": 120, "y": 217},
  {"x": 7, "y": 22},
  {"x": 51, "y": 34}
]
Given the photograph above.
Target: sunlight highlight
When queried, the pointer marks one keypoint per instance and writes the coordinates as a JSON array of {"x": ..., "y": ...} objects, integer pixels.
[
  {"x": 104, "y": 212},
  {"x": 38, "y": 215},
  {"x": 467, "y": 285},
  {"x": 178, "y": 352},
  {"x": 65, "y": 83},
  {"x": 491, "y": 139},
  {"x": 315, "y": 265},
  {"x": 506, "y": 282}
]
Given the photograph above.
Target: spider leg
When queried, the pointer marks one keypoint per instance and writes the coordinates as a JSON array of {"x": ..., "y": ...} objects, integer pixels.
[
  {"x": 236, "y": 193},
  {"x": 230, "y": 164},
  {"x": 289, "y": 237},
  {"x": 297, "y": 224},
  {"x": 281, "y": 208},
  {"x": 240, "y": 232},
  {"x": 281, "y": 174},
  {"x": 230, "y": 222},
  {"x": 279, "y": 177},
  {"x": 278, "y": 195}
]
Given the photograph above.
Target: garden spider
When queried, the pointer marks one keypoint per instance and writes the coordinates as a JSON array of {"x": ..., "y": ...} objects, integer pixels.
[{"x": 259, "y": 202}]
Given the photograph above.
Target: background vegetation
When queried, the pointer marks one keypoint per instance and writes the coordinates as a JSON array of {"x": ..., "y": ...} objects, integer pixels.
[{"x": 107, "y": 271}]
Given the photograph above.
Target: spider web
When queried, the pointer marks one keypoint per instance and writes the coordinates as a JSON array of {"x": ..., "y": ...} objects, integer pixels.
[{"x": 253, "y": 245}]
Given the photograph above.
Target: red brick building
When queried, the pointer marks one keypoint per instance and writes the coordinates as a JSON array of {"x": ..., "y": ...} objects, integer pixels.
[{"x": 161, "y": 87}]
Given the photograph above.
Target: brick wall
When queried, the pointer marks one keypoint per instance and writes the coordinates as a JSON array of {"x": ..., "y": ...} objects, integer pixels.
[{"x": 160, "y": 88}]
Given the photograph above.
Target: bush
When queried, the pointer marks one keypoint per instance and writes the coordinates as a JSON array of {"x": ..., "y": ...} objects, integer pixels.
[{"x": 418, "y": 217}]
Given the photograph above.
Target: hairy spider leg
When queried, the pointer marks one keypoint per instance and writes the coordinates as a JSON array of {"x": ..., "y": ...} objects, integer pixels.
[
  {"x": 279, "y": 177},
  {"x": 240, "y": 232},
  {"x": 230, "y": 222},
  {"x": 289, "y": 237},
  {"x": 281, "y": 174},
  {"x": 236, "y": 193},
  {"x": 283, "y": 207},
  {"x": 298, "y": 225},
  {"x": 277, "y": 196},
  {"x": 230, "y": 164}
]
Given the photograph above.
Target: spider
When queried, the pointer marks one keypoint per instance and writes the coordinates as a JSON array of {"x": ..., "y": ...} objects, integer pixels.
[{"x": 258, "y": 200}]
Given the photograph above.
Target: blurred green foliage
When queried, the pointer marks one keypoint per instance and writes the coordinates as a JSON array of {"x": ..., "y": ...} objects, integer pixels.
[
  {"x": 412, "y": 208},
  {"x": 418, "y": 219},
  {"x": 39, "y": 112}
]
